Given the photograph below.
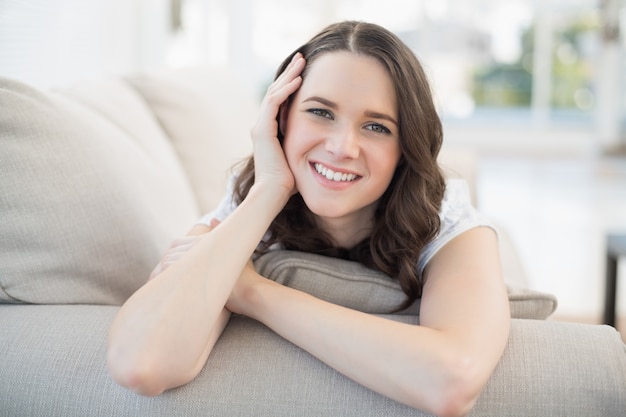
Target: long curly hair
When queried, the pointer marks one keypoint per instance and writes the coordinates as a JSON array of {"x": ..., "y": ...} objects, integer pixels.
[{"x": 407, "y": 215}]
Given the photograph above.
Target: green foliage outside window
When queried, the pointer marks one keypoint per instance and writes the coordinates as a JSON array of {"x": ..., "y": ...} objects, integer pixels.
[{"x": 510, "y": 85}]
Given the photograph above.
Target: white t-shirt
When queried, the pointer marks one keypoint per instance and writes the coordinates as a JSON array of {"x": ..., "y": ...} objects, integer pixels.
[{"x": 457, "y": 216}]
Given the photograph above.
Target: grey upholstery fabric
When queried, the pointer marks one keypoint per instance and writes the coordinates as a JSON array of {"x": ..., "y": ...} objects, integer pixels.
[
  {"x": 553, "y": 368},
  {"x": 352, "y": 285},
  {"x": 86, "y": 212},
  {"x": 52, "y": 364}
]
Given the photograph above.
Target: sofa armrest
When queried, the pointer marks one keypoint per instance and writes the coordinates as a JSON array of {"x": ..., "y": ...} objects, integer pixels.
[
  {"x": 53, "y": 364},
  {"x": 552, "y": 368}
]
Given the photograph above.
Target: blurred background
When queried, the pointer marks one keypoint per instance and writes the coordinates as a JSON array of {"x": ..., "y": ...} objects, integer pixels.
[{"x": 534, "y": 88}]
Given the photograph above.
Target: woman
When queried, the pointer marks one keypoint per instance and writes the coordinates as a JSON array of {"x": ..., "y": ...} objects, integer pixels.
[{"x": 344, "y": 164}]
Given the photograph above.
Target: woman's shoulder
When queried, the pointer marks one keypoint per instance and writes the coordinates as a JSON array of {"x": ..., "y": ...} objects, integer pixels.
[
  {"x": 458, "y": 212},
  {"x": 457, "y": 201},
  {"x": 457, "y": 215}
]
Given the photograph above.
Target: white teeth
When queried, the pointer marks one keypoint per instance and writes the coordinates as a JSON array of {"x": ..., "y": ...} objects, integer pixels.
[{"x": 332, "y": 175}]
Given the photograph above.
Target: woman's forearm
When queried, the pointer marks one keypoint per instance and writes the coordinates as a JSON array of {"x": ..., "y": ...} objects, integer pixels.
[
  {"x": 368, "y": 349},
  {"x": 419, "y": 366},
  {"x": 164, "y": 333}
]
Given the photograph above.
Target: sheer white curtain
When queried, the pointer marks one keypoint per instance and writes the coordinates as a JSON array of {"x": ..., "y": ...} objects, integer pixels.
[{"x": 51, "y": 43}]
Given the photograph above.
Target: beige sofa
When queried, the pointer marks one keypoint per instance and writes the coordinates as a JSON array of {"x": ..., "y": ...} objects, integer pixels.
[{"x": 97, "y": 179}]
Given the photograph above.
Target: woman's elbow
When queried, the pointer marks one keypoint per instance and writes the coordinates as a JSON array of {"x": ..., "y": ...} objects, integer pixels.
[
  {"x": 459, "y": 386},
  {"x": 456, "y": 402},
  {"x": 142, "y": 373},
  {"x": 136, "y": 375}
]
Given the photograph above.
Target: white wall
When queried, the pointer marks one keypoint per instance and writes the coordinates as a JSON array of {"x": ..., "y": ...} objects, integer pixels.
[{"x": 50, "y": 43}]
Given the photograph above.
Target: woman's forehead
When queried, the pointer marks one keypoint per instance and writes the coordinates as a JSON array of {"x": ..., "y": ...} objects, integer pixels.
[{"x": 341, "y": 74}]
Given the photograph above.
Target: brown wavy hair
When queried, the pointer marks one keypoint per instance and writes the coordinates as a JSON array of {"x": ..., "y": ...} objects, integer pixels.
[{"x": 407, "y": 215}]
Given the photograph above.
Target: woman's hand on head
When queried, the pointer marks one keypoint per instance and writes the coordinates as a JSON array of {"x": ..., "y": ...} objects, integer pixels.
[{"x": 271, "y": 167}]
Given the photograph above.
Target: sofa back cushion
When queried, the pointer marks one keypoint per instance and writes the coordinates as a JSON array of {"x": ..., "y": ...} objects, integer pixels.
[
  {"x": 207, "y": 114},
  {"x": 87, "y": 204},
  {"x": 352, "y": 285}
]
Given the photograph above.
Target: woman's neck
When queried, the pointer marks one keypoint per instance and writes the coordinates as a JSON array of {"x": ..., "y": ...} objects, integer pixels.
[{"x": 345, "y": 232}]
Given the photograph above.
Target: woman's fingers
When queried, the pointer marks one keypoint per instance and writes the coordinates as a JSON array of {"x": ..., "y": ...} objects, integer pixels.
[
  {"x": 288, "y": 78},
  {"x": 285, "y": 85},
  {"x": 181, "y": 245}
]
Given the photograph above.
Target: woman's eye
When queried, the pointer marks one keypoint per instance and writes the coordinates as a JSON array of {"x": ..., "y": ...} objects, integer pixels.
[
  {"x": 321, "y": 113},
  {"x": 378, "y": 128}
]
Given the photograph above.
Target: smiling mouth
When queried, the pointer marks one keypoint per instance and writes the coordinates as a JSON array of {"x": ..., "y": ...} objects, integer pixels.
[{"x": 332, "y": 175}]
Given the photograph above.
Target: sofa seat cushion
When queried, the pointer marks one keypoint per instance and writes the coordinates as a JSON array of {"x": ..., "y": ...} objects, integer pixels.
[
  {"x": 86, "y": 210},
  {"x": 352, "y": 285}
]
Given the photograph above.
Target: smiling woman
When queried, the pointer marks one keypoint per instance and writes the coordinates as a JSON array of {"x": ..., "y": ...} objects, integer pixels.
[
  {"x": 333, "y": 128},
  {"x": 344, "y": 164}
]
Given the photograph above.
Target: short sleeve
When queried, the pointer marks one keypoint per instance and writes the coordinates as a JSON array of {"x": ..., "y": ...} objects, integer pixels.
[
  {"x": 226, "y": 206},
  {"x": 457, "y": 215}
]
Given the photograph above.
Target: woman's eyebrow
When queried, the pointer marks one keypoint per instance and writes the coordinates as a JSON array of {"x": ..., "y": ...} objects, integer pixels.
[
  {"x": 377, "y": 115},
  {"x": 368, "y": 113},
  {"x": 321, "y": 100}
]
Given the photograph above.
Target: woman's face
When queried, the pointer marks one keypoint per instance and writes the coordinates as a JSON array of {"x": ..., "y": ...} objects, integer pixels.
[{"x": 342, "y": 141}]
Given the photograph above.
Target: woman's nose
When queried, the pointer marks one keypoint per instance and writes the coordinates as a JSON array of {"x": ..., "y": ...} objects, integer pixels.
[{"x": 343, "y": 144}]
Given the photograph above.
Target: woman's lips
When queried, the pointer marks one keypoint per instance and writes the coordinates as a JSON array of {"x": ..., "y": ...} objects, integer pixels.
[{"x": 334, "y": 175}]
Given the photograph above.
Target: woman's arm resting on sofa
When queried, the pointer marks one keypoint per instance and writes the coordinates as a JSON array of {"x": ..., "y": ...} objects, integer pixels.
[
  {"x": 440, "y": 366},
  {"x": 163, "y": 334},
  {"x": 125, "y": 367}
]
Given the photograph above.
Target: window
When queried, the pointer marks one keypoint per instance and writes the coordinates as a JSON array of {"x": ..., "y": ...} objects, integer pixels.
[{"x": 507, "y": 61}]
